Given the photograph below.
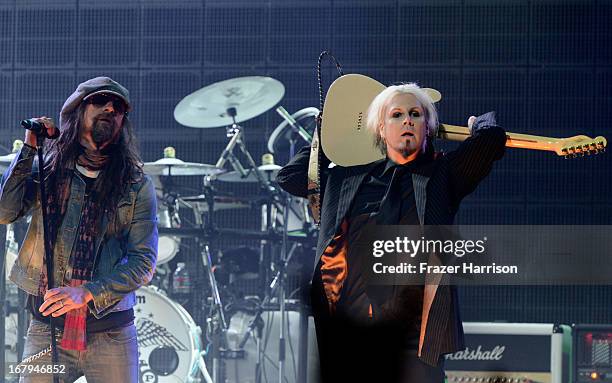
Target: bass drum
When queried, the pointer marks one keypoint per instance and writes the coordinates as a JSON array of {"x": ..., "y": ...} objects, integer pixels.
[{"x": 168, "y": 340}]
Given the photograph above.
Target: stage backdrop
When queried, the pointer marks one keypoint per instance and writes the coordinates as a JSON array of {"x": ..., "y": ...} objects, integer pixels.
[{"x": 544, "y": 66}]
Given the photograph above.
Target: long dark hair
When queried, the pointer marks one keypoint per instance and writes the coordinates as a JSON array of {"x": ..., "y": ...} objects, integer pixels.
[{"x": 124, "y": 166}]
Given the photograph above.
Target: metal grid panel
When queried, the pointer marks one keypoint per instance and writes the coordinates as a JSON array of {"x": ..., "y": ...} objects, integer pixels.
[
  {"x": 603, "y": 53},
  {"x": 496, "y": 33},
  {"x": 7, "y": 16},
  {"x": 364, "y": 33},
  {"x": 429, "y": 34},
  {"x": 37, "y": 45},
  {"x": 562, "y": 31},
  {"x": 560, "y": 304},
  {"x": 101, "y": 42},
  {"x": 474, "y": 212},
  {"x": 299, "y": 31}
]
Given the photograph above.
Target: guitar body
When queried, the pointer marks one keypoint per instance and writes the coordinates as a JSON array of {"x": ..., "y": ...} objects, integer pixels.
[{"x": 344, "y": 137}]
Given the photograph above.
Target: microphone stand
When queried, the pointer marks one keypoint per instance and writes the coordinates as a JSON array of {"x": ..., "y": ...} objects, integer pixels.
[{"x": 40, "y": 139}]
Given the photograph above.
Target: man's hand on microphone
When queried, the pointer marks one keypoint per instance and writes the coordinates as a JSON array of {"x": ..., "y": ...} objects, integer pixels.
[{"x": 30, "y": 137}]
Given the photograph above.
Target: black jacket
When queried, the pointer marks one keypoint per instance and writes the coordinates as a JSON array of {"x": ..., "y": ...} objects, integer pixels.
[{"x": 439, "y": 186}]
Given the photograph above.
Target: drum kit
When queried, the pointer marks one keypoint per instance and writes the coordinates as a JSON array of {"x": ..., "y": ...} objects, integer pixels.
[
  {"x": 284, "y": 220},
  {"x": 172, "y": 347}
]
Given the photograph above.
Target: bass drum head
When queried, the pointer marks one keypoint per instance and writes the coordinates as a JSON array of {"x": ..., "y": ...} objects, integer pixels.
[
  {"x": 167, "y": 340},
  {"x": 168, "y": 344}
]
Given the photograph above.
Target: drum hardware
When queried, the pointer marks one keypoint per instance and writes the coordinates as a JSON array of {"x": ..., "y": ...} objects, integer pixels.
[
  {"x": 205, "y": 234},
  {"x": 277, "y": 286},
  {"x": 285, "y": 133},
  {"x": 168, "y": 216},
  {"x": 5, "y": 161},
  {"x": 199, "y": 203},
  {"x": 236, "y": 132},
  {"x": 216, "y": 323},
  {"x": 177, "y": 167},
  {"x": 168, "y": 340},
  {"x": 168, "y": 209},
  {"x": 296, "y": 128},
  {"x": 269, "y": 172},
  {"x": 208, "y": 107},
  {"x": 242, "y": 99}
]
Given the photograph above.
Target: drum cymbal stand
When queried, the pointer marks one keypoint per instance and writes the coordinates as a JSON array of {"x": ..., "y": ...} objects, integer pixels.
[
  {"x": 277, "y": 286},
  {"x": 216, "y": 323},
  {"x": 310, "y": 230}
]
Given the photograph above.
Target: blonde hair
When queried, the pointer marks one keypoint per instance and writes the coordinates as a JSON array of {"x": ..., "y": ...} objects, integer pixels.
[{"x": 376, "y": 112}]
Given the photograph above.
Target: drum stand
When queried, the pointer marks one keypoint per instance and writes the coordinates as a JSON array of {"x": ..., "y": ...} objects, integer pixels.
[
  {"x": 217, "y": 325},
  {"x": 297, "y": 130},
  {"x": 275, "y": 199}
]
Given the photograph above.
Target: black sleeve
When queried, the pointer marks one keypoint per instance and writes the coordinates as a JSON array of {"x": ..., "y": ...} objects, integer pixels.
[
  {"x": 474, "y": 158},
  {"x": 293, "y": 177}
]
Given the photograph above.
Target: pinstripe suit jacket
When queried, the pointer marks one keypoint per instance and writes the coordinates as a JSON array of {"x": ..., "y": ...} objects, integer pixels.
[{"x": 439, "y": 186}]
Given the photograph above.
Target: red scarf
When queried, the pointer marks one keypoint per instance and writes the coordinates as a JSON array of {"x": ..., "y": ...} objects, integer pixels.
[{"x": 81, "y": 259}]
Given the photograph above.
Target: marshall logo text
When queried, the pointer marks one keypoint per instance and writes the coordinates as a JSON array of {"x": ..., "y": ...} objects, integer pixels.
[{"x": 478, "y": 354}]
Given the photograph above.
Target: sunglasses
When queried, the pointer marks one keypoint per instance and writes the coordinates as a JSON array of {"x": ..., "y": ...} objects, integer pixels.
[{"x": 102, "y": 99}]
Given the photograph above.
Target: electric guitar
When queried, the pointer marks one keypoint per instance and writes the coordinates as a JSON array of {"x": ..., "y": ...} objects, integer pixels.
[{"x": 347, "y": 142}]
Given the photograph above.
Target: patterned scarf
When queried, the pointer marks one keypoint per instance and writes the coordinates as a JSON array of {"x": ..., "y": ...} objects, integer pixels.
[
  {"x": 92, "y": 159},
  {"x": 81, "y": 259}
]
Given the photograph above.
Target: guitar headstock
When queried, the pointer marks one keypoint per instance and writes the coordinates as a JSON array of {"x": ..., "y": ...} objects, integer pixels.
[{"x": 578, "y": 146}]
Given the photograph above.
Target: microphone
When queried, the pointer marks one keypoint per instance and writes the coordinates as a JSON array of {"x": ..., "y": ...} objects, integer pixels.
[{"x": 38, "y": 128}]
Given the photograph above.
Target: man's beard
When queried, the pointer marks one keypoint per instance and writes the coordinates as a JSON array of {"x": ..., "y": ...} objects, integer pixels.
[
  {"x": 406, "y": 149},
  {"x": 102, "y": 132}
]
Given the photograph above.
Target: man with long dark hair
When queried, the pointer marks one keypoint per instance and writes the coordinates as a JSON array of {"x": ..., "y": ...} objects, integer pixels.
[{"x": 103, "y": 230}]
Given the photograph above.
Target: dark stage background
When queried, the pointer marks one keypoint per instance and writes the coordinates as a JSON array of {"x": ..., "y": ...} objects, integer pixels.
[{"x": 544, "y": 66}]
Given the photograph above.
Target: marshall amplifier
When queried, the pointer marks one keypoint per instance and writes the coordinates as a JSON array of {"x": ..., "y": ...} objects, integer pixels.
[
  {"x": 592, "y": 353},
  {"x": 512, "y": 353}
]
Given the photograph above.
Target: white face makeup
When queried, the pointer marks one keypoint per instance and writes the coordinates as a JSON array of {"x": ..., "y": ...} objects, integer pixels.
[{"x": 403, "y": 127}]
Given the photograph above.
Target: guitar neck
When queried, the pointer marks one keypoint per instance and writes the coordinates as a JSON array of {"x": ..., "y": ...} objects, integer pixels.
[{"x": 515, "y": 140}]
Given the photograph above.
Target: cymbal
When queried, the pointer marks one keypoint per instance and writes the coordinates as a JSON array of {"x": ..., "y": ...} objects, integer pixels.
[
  {"x": 280, "y": 137},
  {"x": 176, "y": 167},
  {"x": 208, "y": 107},
  {"x": 5, "y": 161},
  {"x": 269, "y": 172},
  {"x": 220, "y": 202}
]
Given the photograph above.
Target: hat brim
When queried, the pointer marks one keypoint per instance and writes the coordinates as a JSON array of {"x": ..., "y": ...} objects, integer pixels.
[{"x": 129, "y": 107}]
